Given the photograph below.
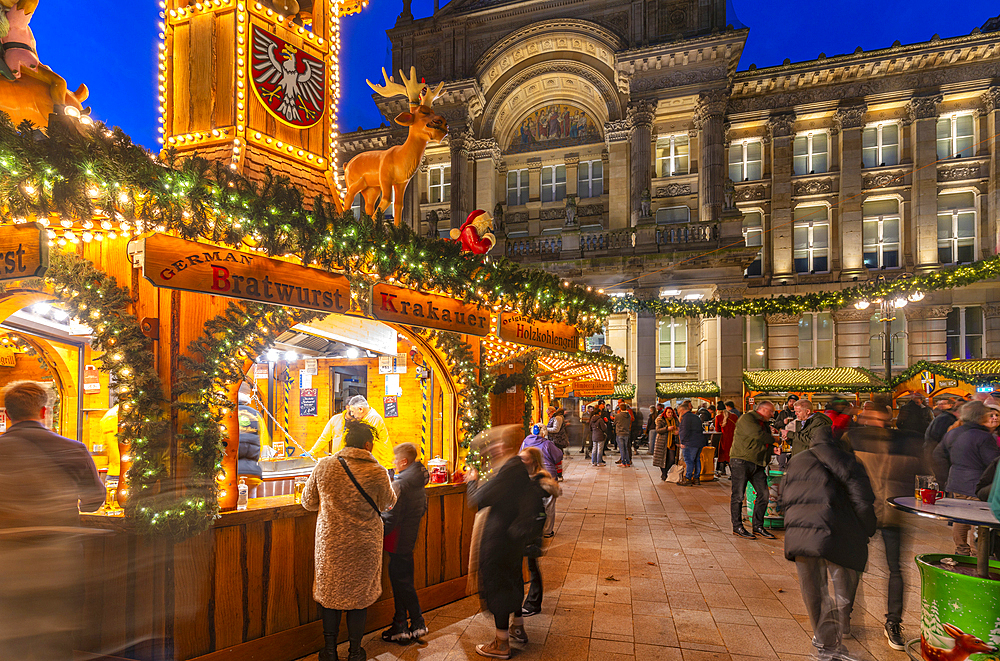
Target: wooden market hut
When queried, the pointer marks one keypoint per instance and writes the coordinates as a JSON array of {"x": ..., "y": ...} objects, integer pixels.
[
  {"x": 814, "y": 384},
  {"x": 959, "y": 378}
]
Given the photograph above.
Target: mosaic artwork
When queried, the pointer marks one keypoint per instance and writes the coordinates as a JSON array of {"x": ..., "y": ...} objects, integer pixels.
[{"x": 552, "y": 127}]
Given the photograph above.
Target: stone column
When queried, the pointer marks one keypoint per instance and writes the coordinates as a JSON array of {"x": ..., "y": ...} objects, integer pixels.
[
  {"x": 991, "y": 120},
  {"x": 458, "y": 144},
  {"x": 926, "y": 332},
  {"x": 730, "y": 348},
  {"x": 641, "y": 154},
  {"x": 852, "y": 332},
  {"x": 534, "y": 195},
  {"x": 922, "y": 117},
  {"x": 618, "y": 337},
  {"x": 616, "y": 134},
  {"x": 572, "y": 162},
  {"x": 709, "y": 119},
  {"x": 646, "y": 349},
  {"x": 991, "y": 311},
  {"x": 780, "y": 133},
  {"x": 486, "y": 155},
  {"x": 850, "y": 121},
  {"x": 782, "y": 341}
]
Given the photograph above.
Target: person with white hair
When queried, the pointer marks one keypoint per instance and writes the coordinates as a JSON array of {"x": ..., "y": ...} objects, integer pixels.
[{"x": 331, "y": 440}]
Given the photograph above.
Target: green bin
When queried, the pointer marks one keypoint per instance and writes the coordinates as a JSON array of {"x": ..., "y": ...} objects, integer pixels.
[{"x": 960, "y": 615}]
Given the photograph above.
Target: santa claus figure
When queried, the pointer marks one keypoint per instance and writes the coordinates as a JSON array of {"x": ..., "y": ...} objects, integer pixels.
[{"x": 475, "y": 235}]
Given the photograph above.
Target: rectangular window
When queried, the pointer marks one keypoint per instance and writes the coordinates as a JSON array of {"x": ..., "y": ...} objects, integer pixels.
[
  {"x": 553, "y": 183},
  {"x": 672, "y": 154},
  {"x": 816, "y": 339},
  {"x": 439, "y": 184},
  {"x": 965, "y": 333},
  {"x": 812, "y": 152},
  {"x": 672, "y": 215},
  {"x": 956, "y": 228},
  {"x": 880, "y": 234},
  {"x": 811, "y": 240},
  {"x": 880, "y": 145},
  {"x": 897, "y": 337},
  {"x": 673, "y": 343},
  {"x": 590, "y": 179},
  {"x": 745, "y": 160},
  {"x": 954, "y": 136},
  {"x": 517, "y": 188},
  {"x": 753, "y": 234},
  {"x": 755, "y": 344}
]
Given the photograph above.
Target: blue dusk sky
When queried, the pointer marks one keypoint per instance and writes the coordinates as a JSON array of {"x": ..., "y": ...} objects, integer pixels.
[{"x": 113, "y": 46}]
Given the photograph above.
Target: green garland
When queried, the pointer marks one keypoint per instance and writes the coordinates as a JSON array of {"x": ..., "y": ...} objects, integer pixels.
[
  {"x": 674, "y": 390},
  {"x": 945, "y": 370},
  {"x": 76, "y": 175},
  {"x": 526, "y": 379},
  {"x": 875, "y": 384},
  {"x": 239, "y": 333},
  {"x": 95, "y": 299},
  {"x": 473, "y": 394},
  {"x": 945, "y": 278}
]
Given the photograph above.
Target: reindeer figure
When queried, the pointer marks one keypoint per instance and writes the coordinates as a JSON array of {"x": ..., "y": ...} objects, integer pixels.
[
  {"x": 388, "y": 171},
  {"x": 965, "y": 645}
]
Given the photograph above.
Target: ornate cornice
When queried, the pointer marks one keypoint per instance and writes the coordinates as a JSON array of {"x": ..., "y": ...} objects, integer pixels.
[
  {"x": 812, "y": 187},
  {"x": 750, "y": 193},
  {"x": 642, "y": 113},
  {"x": 731, "y": 293},
  {"x": 781, "y": 125},
  {"x": 884, "y": 179},
  {"x": 618, "y": 130},
  {"x": 484, "y": 148},
  {"x": 991, "y": 99},
  {"x": 851, "y": 117},
  {"x": 991, "y": 309},
  {"x": 852, "y": 314},
  {"x": 571, "y": 159},
  {"x": 923, "y": 107},
  {"x": 960, "y": 172},
  {"x": 710, "y": 104},
  {"x": 535, "y": 164},
  {"x": 782, "y": 318},
  {"x": 926, "y": 312}
]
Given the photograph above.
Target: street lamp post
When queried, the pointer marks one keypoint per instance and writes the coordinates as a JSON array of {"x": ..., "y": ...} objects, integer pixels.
[{"x": 888, "y": 305}]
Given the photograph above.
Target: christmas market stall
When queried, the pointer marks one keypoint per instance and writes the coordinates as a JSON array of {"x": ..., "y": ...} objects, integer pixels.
[
  {"x": 675, "y": 392},
  {"x": 211, "y": 311},
  {"x": 819, "y": 385},
  {"x": 955, "y": 378}
]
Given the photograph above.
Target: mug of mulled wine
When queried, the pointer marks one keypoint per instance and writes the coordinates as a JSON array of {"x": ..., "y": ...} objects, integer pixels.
[{"x": 930, "y": 496}]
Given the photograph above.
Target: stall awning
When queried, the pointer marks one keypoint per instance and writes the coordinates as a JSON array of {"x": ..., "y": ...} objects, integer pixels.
[
  {"x": 678, "y": 389},
  {"x": 822, "y": 379},
  {"x": 625, "y": 391},
  {"x": 555, "y": 367},
  {"x": 974, "y": 372}
]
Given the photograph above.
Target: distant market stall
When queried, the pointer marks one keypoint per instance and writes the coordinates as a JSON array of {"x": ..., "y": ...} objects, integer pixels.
[
  {"x": 958, "y": 378},
  {"x": 816, "y": 384},
  {"x": 678, "y": 390}
]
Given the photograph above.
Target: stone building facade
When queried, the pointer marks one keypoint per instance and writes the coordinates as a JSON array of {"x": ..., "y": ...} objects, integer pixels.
[{"x": 622, "y": 147}]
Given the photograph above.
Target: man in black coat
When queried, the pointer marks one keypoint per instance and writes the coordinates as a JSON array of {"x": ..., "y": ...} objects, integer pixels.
[
  {"x": 944, "y": 418},
  {"x": 829, "y": 518},
  {"x": 402, "y": 524},
  {"x": 915, "y": 416},
  {"x": 46, "y": 480}
]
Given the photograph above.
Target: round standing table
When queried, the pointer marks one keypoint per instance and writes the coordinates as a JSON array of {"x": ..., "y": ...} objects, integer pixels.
[{"x": 971, "y": 512}]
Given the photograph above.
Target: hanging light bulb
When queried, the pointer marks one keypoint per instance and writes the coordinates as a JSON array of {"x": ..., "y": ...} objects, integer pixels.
[
  {"x": 916, "y": 296},
  {"x": 272, "y": 356},
  {"x": 291, "y": 356},
  {"x": 862, "y": 304}
]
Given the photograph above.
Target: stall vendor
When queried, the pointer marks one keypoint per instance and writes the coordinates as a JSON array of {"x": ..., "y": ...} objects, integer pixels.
[{"x": 332, "y": 438}]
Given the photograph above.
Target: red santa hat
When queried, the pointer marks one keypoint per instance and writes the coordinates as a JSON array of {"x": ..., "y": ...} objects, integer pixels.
[{"x": 455, "y": 233}]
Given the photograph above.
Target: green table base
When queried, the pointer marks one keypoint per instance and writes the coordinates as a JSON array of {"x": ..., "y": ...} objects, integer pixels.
[{"x": 775, "y": 521}]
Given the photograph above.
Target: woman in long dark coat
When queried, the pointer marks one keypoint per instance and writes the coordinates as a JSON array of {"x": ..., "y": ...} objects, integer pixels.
[
  {"x": 664, "y": 452},
  {"x": 501, "y": 585}
]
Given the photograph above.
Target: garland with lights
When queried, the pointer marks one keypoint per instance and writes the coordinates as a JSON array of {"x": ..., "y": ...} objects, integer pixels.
[
  {"x": 526, "y": 379},
  {"x": 473, "y": 394},
  {"x": 875, "y": 384},
  {"x": 96, "y": 299},
  {"x": 239, "y": 333},
  {"x": 676, "y": 390},
  {"x": 945, "y": 370},
  {"x": 82, "y": 181},
  {"x": 945, "y": 278}
]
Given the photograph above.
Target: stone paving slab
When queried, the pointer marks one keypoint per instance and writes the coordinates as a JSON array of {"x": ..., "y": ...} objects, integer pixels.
[{"x": 643, "y": 569}]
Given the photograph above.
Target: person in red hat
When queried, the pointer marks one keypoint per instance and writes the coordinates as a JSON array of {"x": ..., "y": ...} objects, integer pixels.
[{"x": 475, "y": 235}]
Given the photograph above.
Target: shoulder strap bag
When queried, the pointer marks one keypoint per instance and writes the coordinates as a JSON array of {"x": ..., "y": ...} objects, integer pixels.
[{"x": 364, "y": 493}]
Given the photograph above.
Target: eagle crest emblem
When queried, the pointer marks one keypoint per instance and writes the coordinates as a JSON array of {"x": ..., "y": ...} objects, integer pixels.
[{"x": 287, "y": 80}]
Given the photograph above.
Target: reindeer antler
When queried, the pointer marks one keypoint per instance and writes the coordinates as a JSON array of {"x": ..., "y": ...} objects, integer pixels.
[
  {"x": 391, "y": 87},
  {"x": 427, "y": 95}
]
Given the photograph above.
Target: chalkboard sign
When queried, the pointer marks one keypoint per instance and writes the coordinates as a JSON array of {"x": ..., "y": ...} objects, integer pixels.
[
  {"x": 308, "y": 401},
  {"x": 391, "y": 407}
]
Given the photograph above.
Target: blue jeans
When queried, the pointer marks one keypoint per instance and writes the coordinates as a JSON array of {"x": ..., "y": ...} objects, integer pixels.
[
  {"x": 597, "y": 447},
  {"x": 692, "y": 462},
  {"x": 625, "y": 448},
  {"x": 652, "y": 441}
]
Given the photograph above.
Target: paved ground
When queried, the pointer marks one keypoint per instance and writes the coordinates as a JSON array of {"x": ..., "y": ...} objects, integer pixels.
[{"x": 641, "y": 569}]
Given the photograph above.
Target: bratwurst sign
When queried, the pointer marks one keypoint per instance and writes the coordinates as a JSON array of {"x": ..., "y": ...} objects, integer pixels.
[
  {"x": 406, "y": 306},
  {"x": 190, "y": 266},
  {"x": 520, "y": 329}
]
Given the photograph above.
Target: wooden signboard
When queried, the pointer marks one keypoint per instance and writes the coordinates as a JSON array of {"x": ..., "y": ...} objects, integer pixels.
[
  {"x": 178, "y": 264},
  {"x": 406, "y": 306},
  {"x": 593, "y": 388},
  {"x": 24, "y": 251},
  {"x": 520, "y": 329}
]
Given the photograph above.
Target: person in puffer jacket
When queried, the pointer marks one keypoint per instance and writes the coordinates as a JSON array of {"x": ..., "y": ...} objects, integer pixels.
[
  {"x": 551, "y": 457},
  {"x": 402, "y": 525},
  {"x": 829, "y": 518}
]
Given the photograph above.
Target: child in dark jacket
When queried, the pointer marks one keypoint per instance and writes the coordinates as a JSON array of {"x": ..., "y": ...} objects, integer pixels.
[{"x": 402, "y": 523}]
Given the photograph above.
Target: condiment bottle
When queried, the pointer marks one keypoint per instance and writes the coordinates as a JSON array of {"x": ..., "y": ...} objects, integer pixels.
[{"x": 244, "y": 494}]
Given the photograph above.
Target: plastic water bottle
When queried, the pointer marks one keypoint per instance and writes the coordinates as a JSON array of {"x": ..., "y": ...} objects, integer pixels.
[{"x": 244, "y": 494}]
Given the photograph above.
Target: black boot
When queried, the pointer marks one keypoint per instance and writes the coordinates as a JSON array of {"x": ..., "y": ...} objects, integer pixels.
[{"x": 329, "y": 653}]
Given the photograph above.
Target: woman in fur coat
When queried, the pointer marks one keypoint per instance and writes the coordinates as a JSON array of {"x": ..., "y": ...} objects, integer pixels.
[{"x": 348, "y": 536}]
